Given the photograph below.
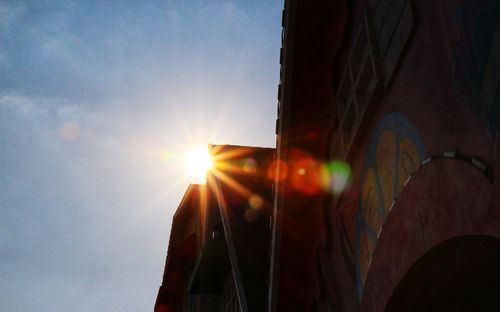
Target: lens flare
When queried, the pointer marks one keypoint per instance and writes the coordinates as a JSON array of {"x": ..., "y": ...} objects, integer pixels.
[
  {"x": 166, "y": 155},
  {"x": 249, "y": 165},
  {"x": 278, "y": 170},
  {"x": 255, "y": 201},
  {"x": 305, "y": 172},
  {"x": 70, "y": 131},
  {"x": 198, "y": 162},
  {"x": 251, "y": 215},
  {"x": 337, "y": 176}
]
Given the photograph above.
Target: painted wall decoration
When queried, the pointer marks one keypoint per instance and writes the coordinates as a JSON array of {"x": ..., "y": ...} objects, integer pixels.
[
  {"x": 475, "y": 35},
  {"x": 394, "y": 153}
]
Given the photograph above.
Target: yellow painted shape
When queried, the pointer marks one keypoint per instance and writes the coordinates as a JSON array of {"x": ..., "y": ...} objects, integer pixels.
[
  {"x": 409, "y": 161},
  {"x": 386, "y": 166}
]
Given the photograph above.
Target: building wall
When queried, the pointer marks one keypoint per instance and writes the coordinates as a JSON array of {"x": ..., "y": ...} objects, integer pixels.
[{"x": 404, "y": 92}]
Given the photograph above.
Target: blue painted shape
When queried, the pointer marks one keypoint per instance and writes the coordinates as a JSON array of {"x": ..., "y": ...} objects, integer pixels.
[{"x": 403, "y": 128}]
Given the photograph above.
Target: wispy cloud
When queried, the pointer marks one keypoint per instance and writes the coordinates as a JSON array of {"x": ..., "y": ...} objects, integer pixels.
[{"x": 19, "y": 105}]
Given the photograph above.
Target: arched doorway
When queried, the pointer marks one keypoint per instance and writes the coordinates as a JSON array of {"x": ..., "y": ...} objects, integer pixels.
[{"x": 460, "y": 274}]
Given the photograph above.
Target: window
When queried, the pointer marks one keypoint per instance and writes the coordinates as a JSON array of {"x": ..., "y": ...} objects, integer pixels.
[{"x": 376, "y": 51}]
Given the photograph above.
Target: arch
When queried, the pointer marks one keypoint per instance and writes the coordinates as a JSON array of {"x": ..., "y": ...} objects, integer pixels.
[
  {"x": 459, "y": 274},
  {"x": 444, "y": 200}
]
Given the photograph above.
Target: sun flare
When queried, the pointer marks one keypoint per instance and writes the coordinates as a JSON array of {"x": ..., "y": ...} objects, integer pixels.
[{"x": 198, "y": 162}]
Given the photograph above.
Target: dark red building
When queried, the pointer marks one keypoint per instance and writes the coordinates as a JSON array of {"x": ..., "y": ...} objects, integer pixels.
[
  {"x": 386, "y": 194},
  {"x": 219, "y": 249}
]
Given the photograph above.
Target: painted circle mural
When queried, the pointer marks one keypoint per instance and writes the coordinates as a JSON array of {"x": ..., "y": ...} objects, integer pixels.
[{"x": 395, "y": 152}]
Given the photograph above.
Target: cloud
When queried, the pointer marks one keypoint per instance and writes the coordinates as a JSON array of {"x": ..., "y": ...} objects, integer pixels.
[
  {"x": 74, "y": 191},
  {"x": 19, "y": 105}
]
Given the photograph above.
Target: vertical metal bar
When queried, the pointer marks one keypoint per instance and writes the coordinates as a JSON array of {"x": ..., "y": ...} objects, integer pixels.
[{"x": 240, "y": 290}]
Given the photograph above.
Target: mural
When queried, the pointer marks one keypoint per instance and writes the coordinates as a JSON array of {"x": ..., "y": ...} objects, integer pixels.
[
  {"x": 394, "y": 153},
  {"x": 475, "y": 34}
]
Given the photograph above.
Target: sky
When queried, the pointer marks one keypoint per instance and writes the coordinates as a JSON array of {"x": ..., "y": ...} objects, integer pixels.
[{"x": 98, "y": 102}]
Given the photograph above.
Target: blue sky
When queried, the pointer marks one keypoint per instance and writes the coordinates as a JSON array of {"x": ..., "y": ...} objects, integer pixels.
[{"x": 93, "y": 95}]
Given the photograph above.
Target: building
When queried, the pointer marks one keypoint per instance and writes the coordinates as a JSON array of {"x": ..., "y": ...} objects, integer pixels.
[
  {"x": 219, "y": 249},
  {"x": 386, "y": 194}
]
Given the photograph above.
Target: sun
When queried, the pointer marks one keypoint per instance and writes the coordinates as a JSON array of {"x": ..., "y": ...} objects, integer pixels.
[{"x": 197, "y": 163}]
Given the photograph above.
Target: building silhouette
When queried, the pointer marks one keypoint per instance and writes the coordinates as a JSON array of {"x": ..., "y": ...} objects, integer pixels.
[
  {"x": 219, "y": 249},
  {"x": 384, "y": 193}
]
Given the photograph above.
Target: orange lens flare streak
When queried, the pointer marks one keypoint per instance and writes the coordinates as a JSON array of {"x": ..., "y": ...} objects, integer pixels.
[
  {"x": 226, "y": 155},
  {"x": 240, "y": 189},
  {"x": 203, "y": 209},
  {"x": 225, "y": 166}
]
